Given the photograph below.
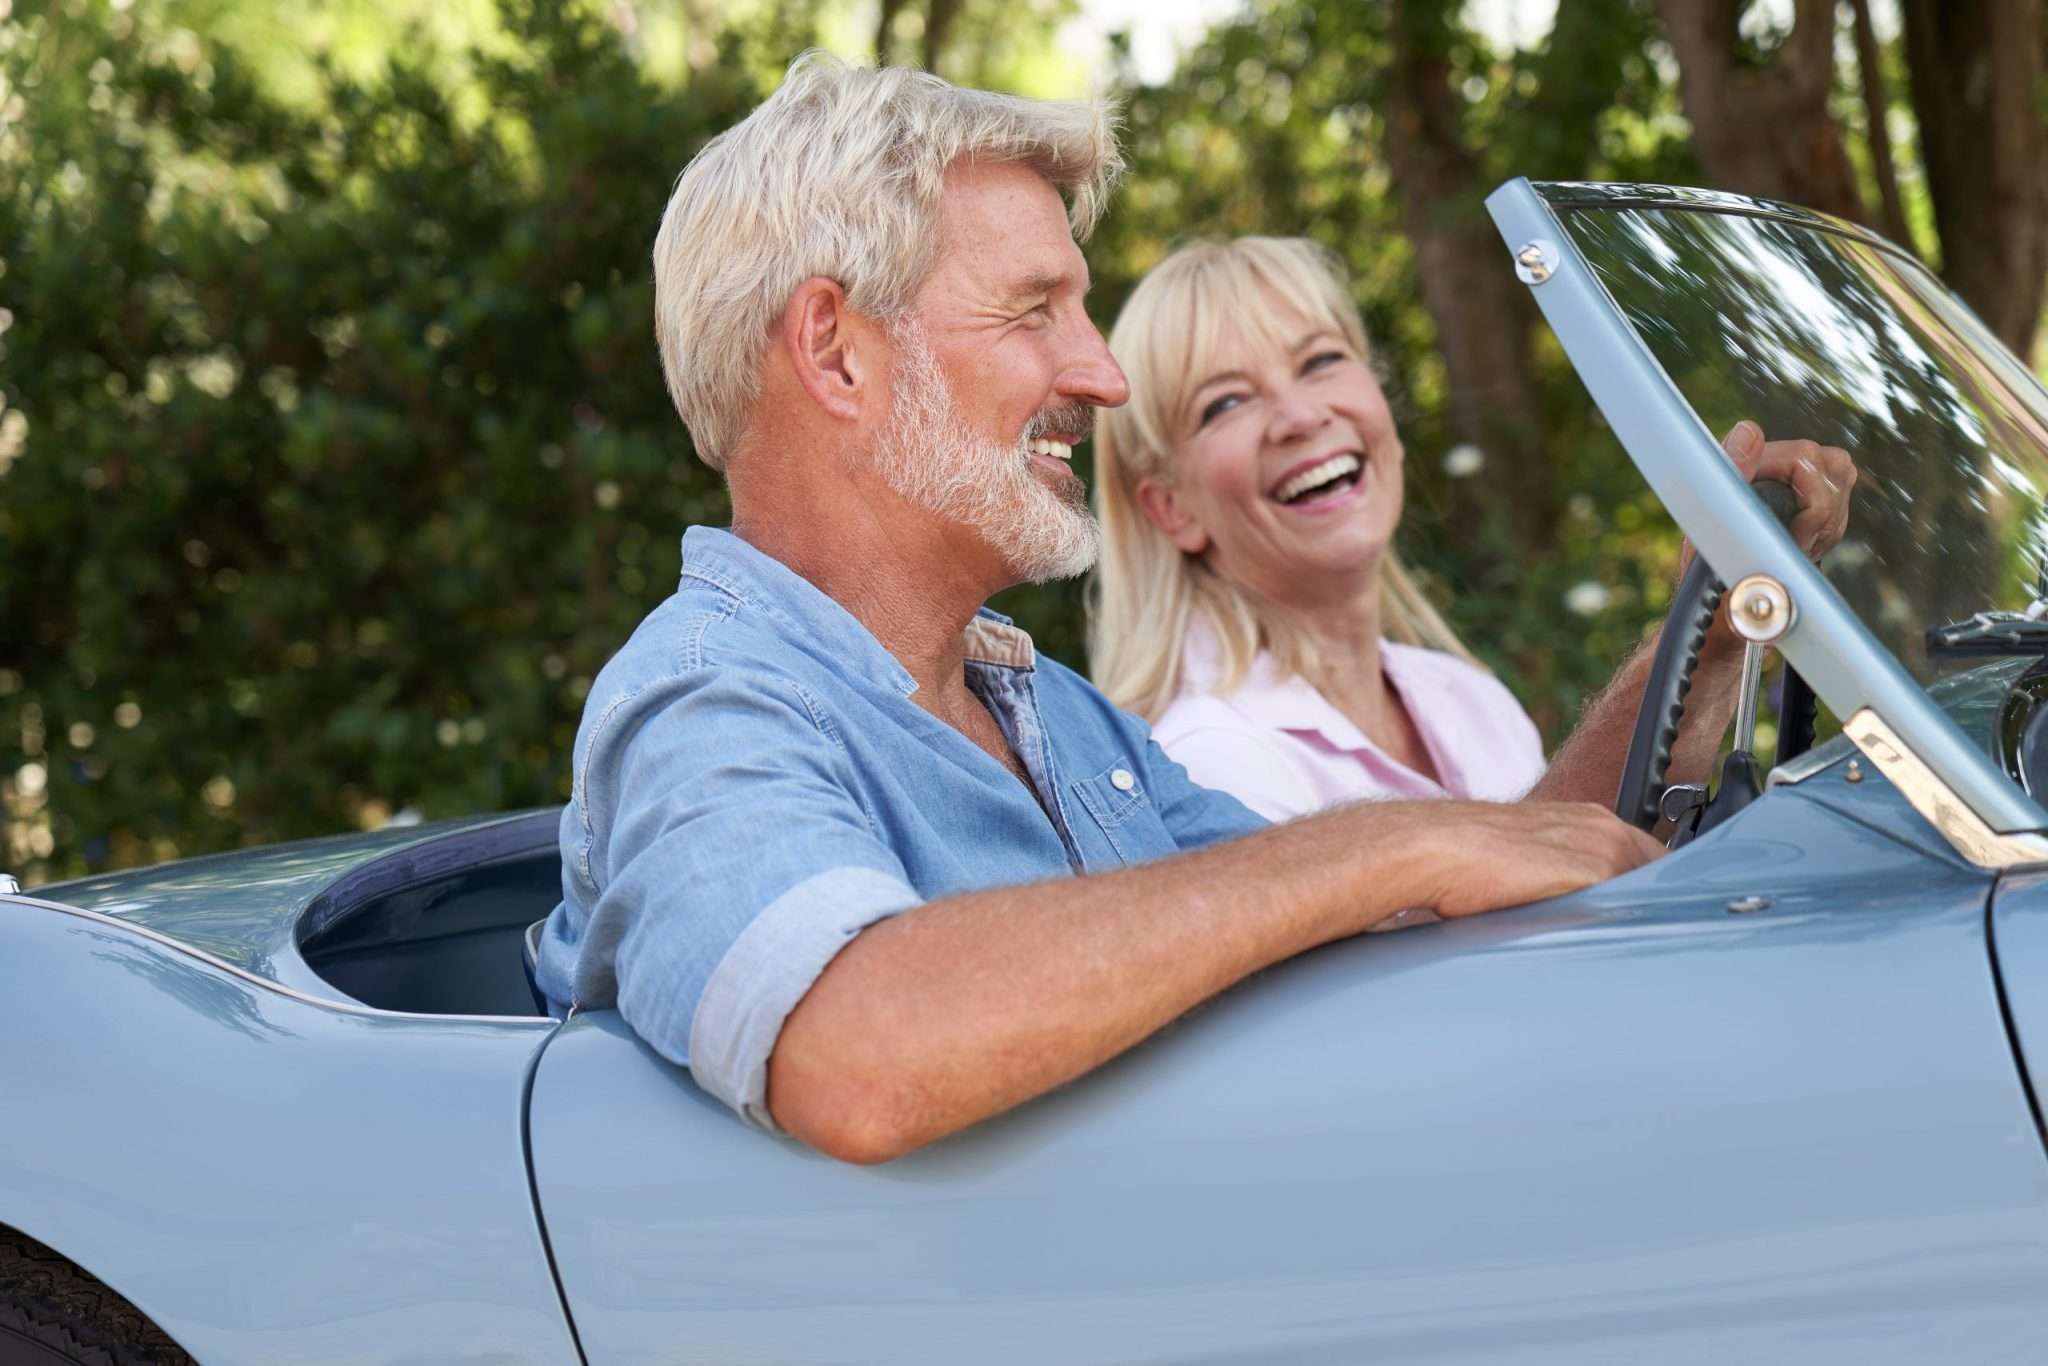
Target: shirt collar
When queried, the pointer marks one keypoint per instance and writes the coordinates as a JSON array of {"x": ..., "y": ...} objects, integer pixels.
[
  {"x": 1285, "y": 702},
  {"x": 758, "y": 579}
]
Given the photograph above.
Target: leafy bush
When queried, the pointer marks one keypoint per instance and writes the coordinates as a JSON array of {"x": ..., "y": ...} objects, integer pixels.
[{"x": 336, "y": 454}]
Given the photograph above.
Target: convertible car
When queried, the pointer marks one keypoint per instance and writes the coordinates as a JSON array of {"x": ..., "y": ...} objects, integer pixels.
[{"x": 1773, "y": 1096}]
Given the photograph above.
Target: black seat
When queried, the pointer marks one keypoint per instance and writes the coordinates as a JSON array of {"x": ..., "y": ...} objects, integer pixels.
[{"x": 530, "y": 942}]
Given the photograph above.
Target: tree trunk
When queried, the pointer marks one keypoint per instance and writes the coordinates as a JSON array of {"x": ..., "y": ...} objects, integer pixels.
[
  {"x": 884, "y": 39},
  {"x": 1877, "y": 114},
  {"x": 1483, "y": 314},
  {"x": 1764, "y": 128},
  {"x": 938, "y": 18},
  {"x": 1977, "y": 83}
]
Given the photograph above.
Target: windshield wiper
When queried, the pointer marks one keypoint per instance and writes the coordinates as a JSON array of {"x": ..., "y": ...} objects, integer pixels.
[{"x": 1993, "y": 634}]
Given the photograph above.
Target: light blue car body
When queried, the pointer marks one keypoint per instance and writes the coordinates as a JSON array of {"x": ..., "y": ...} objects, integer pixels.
[{"x": 1768, "y": 1098}]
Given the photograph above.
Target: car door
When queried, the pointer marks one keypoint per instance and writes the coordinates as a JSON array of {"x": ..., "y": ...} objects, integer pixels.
[
  {"x": 1654, "y": 1121},
  {"x": 2019, "y": 935}
]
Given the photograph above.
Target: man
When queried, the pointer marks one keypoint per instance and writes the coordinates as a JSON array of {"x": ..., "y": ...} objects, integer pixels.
[{"x": 828, "y": 813}]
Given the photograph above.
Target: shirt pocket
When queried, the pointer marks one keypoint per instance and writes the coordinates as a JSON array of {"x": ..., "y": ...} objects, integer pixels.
[{"x": 1115, "y": 800}]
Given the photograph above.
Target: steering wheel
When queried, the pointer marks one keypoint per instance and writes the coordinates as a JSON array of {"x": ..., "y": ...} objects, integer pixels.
[{"x": 1640, "y": 800}]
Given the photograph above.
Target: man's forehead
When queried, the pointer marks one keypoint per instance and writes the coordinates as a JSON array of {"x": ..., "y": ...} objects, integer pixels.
[{"x": 1003, "y": 228}]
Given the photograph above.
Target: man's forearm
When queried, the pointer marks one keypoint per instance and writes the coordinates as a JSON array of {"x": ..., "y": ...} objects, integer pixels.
[{"x": 960, "y": 1009}]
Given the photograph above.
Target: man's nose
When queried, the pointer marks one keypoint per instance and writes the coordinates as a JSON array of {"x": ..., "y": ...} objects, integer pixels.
[{"x": 1093, "y": 376}]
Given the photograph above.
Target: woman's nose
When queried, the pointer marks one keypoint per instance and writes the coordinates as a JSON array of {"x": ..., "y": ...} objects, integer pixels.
[{"x": 1294, "y": 416}]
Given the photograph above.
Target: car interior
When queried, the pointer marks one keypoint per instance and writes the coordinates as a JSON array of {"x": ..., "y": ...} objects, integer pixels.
[{"x": 442, "y": 927}]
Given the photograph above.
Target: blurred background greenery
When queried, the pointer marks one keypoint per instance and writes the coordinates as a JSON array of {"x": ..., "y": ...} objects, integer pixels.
[{"x": 334, "y": 454}]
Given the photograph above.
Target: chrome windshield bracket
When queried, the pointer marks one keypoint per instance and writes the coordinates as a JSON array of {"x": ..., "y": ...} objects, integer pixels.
[
  {"x": 1760, "y": 610},
  {"x": 1965, "y": 831},
  {"x": 8, "y": 886},
  {"x": 1536, "y": 261}
]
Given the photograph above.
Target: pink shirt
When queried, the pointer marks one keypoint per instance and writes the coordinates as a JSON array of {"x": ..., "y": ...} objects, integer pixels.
[{"x": 1277, "y": 746}]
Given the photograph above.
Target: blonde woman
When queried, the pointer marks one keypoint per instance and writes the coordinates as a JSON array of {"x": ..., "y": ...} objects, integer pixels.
[{"x": 1249, "y": 602}]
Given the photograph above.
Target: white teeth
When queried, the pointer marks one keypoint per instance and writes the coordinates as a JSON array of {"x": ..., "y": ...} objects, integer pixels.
[
  {"x": 1058, "y": 450},
  {"x": 1335, "y": 467}
]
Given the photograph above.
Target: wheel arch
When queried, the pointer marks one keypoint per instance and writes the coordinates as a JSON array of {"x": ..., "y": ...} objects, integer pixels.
[
  {"x": 262, "y": 1175},
  {"x": 34, "y": 1272}
]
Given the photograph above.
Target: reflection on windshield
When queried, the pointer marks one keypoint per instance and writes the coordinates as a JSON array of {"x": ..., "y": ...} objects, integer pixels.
[{"x": 1822, "y": 335}]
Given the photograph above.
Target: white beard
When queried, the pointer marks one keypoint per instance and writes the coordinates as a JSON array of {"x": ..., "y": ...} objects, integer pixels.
[{"x": 931, "y": 456}]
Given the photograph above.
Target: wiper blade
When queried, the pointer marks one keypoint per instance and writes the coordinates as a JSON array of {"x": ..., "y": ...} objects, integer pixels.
[{"x": 1991, "y": 633}]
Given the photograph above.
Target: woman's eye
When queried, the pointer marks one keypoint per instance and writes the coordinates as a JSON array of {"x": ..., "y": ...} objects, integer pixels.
[
  {"x": 1215, "y": 408},
  {"x": 1321, "y": 359}
]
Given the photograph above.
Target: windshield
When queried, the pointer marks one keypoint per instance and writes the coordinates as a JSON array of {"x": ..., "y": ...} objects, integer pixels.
[{"x": 1823, "y": 334}]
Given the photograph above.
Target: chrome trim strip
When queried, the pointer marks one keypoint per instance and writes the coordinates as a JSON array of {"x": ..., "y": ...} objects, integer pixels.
[
  {"x": 1595, "y": 194},
  {"x": 1688, "y": 199},
  {"x": 1937, "y": 801},
  {"x": 1745, "y": 697},
  {"x": 1816, "y": 760},
  {"x": 345, "y": 1007}
]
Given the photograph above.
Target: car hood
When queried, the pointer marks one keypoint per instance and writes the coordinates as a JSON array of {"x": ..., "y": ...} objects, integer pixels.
[{"x": 246, "y": 907}]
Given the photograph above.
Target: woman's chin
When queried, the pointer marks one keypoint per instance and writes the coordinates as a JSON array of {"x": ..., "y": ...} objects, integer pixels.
[
  {"x": 1321, "y": 574},
  {"x": 1354, "y": 544}
]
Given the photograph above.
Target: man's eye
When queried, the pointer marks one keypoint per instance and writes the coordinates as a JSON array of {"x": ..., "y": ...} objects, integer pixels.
[{"x": 1215, "y": 408}]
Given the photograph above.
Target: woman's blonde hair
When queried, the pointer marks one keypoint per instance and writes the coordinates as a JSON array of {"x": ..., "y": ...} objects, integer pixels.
[
  {"x": 1147, "y": 593},
  {"x": 838, "y": 173}
]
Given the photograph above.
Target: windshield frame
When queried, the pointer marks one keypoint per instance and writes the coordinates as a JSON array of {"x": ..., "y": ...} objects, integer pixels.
[{"x": 1683, "y": 463}]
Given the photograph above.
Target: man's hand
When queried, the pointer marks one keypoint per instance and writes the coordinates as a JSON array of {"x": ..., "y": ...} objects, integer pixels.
[
  {"x": 1822, "y": 476},
  {"x": 1510, "y": 855}
]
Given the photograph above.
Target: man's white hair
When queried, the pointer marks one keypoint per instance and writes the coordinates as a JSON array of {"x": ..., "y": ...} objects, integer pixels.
[{"x": 838, "y": 174}]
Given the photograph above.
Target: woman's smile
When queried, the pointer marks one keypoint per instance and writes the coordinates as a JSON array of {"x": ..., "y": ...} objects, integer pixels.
[{"x": 1321, "y": 485}]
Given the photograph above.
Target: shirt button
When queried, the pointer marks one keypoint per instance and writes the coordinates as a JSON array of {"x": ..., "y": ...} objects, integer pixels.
[{"x": 1121, "y": 779}]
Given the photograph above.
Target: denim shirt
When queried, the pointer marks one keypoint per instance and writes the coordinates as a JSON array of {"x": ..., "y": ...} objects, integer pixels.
[{"x": 754, "y": 785}]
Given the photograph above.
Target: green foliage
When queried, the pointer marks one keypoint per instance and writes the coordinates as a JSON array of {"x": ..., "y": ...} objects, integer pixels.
[
  {"x": 346, "y": 459},
  {"x": 334, "y": 454}
]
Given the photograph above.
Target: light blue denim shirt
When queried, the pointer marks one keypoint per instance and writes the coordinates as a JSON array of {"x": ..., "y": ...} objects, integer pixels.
[{"x": 754, "y": 786}]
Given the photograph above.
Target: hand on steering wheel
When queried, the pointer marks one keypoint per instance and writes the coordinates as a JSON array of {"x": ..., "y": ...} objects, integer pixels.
[{"x": 1807, "y": 485}]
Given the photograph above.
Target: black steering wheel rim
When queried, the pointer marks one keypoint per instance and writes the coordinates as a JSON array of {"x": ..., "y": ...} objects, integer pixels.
[{"x": 1663, "y": 707}]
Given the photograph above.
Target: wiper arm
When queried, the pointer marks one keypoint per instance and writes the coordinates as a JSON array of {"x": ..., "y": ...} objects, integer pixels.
[{"x": 1993, "y": 634}]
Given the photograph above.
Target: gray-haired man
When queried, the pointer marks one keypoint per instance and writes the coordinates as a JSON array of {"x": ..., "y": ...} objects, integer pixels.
[{"x": 841, "y": 841}]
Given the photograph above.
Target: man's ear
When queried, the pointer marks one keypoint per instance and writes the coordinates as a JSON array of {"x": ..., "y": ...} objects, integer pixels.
[
  {"x": 822, "y": 340},
  {"x": 1164, "y": 509}
]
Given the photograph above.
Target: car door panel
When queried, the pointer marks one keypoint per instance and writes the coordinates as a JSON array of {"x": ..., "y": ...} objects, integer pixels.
[{"x": 1625, "y": 1125}]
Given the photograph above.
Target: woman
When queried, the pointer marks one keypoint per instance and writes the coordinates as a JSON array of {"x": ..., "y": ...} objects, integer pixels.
[{"x": 1249, "y": 602}]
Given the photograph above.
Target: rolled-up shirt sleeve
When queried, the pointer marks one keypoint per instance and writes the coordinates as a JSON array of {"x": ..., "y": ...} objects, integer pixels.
[{"x": 736, "y": 862}]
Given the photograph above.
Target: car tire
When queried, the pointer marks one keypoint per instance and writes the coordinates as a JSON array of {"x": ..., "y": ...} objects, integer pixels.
[{"x": 53, "y": 1314}]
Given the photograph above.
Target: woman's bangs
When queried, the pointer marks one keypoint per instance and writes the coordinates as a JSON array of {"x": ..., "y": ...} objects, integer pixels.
[
  {"x": 1244, "y": 303},
  {"x": 1296, "y": 275}
]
